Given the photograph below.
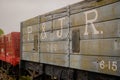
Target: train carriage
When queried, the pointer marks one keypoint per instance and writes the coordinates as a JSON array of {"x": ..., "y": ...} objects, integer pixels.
[{"x": 82, "y": 38}]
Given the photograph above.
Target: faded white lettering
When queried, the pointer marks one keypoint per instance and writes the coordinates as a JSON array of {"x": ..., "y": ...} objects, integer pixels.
[
  {"x": 59, "y": 33},
  {"x": 91, "y": 21}
]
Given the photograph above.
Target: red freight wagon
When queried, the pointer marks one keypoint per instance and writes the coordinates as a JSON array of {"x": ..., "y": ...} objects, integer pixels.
[
  {"x": 2, "y": 48},
  {"x": 13, "y": 48}
]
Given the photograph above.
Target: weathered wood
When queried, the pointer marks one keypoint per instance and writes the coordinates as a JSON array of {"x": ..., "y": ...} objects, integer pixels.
[
  {"x": 109, "y": 47},
  {"x": 46, "y": 36},
  {"x": 30, "y": 22},
  {"x": 54, "y": 47},
  {"x": 110, "y": 65},
  {"x": 63, "y": 34},
  {"x": 60, "y": 12},
  {"x": 29, "y": 37},
  {"x": 46, "y": 26},
  {"x": 46, "y": 58},
  {"x": 108, "y": 29},
  {"x": 45, "y": 17},
  {"x": 107, "y": 12},
  {"x": 94, "y": 37},
  {"x": 30, "y": 56},
  {"x": 29, "y": 47},
  {"x": 53, "y": 35},
  {"x": 30, "y": 29},
  {"x": 90, "y": 4},
  {"x": 54, "y": 59},
  {"x": 61, "y": 23}
]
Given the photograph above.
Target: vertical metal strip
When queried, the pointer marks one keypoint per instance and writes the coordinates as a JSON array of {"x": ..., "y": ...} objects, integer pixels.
[
  {"x": 68, "y": 9},
  {"x": 39, "y": 20},
  {"x": 21, "y": 45}
]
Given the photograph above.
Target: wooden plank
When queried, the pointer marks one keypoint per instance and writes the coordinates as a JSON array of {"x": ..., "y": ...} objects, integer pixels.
[
  {"x": 54, "y": 59},
  {"x": 61, "y": 34},
  {"x": 109, "y": 47},
  {"x": 104, "y": 13},
  {"x": 29, "y": 47},
  {"x": 30, "y": 56},
  {"x": 60, "y": 12},
  {"x": 46, "y": 36},
  {"x": 46, "y": 26},
  {"x": 29, "y": 37},
  {"x": 108, "y": 29},
  {"x": 54, "y": 47},
  {"x": 30, "y": 29},
  {"x": 45, "y": 17},
  {"x": 46, "y": 58},
  {"x": 61, "y": 23},
  {"x": 89, "y": 4},
  {"x": 107, "y": 65},
  {"x": 61, "y": 59},
  {"x": 55, "y": 35},
  {"x": 30, "y": 22}
]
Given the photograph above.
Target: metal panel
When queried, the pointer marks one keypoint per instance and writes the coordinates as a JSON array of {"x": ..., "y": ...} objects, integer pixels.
[
  {"x": 109, "y": 47},
  {"x": 54, "y": 35},
  {"x": 76, "y": 40},
  {"x": 30, "y": 56},
  {"x": 89, "y": 4},
  {"x": 36, "y": 43},
  {"x": 54, "y": 47},
  {"x": 29, "y": 37},
  {"x": 61, "y": 23},
  {"x": 54, "y": 59},
  {"x": 104, "y": 13},
  {"x": 30, "y": 29},
  {"x": 108, "y": 65}
]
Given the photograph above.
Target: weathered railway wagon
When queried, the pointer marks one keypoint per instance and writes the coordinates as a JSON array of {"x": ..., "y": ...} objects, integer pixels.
[
  {"x": 9, "y": 55},
  {"x": 76, "y": 42}
]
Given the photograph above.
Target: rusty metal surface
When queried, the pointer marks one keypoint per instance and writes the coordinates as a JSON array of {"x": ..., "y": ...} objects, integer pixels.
[
  {"x": 54, "y": 59},
  {"x": 104, "y": 13}
]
